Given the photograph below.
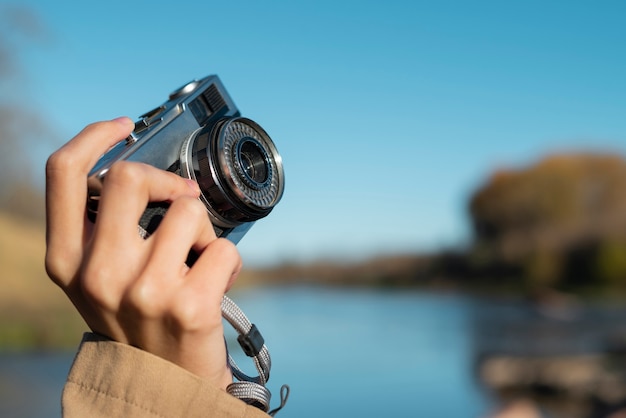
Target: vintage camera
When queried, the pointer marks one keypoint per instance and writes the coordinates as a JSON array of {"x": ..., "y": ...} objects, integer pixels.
[{"x": 199, "y": 134}]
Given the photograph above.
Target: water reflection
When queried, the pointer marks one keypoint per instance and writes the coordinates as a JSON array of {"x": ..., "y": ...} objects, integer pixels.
[{"x": 566, "y": 359}]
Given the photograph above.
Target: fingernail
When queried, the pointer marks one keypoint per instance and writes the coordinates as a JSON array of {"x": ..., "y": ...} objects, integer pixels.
[
  {"x": 193, "y": 185},
  {"x": 124, "y": 120}
]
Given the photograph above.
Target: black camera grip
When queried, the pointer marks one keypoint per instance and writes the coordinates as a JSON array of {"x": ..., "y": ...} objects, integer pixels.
[
  {"x": 150, "y": 220},
  {"x": 152, "y": 217}
]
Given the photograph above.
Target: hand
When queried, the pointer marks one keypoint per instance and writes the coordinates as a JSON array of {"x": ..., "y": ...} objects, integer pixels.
[{"x": 133, "y": 290}]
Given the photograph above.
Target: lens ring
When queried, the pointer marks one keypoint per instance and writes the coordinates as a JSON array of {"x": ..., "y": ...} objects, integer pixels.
[
  {"x": 233, "y": 135},
  {"x": 252, "y": 163}
]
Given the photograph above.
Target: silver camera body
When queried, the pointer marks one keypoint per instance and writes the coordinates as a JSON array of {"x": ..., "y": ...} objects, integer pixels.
[{"x": 198, "y": 133}]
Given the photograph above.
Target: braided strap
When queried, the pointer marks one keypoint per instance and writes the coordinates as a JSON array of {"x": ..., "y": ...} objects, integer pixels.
[
  {"x": 251, "y": 393},
  {"x": 250, "y": 389}
]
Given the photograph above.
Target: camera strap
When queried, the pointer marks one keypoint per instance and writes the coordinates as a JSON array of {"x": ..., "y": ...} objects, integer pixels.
[{"x": 251, "y": 389}]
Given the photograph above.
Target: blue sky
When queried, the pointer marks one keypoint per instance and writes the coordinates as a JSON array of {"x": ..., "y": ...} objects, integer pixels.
[{"x": 387, "y": 114}]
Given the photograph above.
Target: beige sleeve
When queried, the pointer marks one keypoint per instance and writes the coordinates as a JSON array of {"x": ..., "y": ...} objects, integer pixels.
[{"x": 110, "y": 379}]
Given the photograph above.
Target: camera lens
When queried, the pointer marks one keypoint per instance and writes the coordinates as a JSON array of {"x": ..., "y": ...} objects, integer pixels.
[
  {"x": 253, "y": 162},
  {"x": 238, "y": 169}
]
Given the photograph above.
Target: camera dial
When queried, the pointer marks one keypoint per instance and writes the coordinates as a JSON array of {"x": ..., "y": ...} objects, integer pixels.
[{"x": 184, "y": 90}]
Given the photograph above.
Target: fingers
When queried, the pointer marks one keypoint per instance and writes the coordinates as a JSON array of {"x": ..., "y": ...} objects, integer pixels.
[
  {"x": 223, "y": 260},
  {"x": 128, "y": 187},
  {"x": 163, "y": 269},
  {"x": 117, "y": 256},
  {"x": 185, "y": 226},
  {"x": 195, "y": 307},
  {"x": 66, "y": 194}
]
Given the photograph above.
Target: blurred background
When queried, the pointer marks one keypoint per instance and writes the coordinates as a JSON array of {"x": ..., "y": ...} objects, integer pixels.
[{"x": 452, "y": 238}]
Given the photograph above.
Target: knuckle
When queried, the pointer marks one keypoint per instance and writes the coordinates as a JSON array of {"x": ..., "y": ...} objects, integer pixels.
[
  {"x": 145, "y": 298},
  {"x": 189, "y": 208},
  {"x": 56, "y": 267},
  {"x": 66, "y": 157},
  {"x": 60, "y": 161},
  {"x": 184, "y": 314},
  {"x": 130, "y": 175},
  {"x": 226, "y": 250},
  {"x": 97, "y": 286},
  {"x": 190, "y": 315}
]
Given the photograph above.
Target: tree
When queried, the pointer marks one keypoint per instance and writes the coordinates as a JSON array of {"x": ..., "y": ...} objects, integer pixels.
[
  {"x": 555, "y": 219},
  {"x": 21, "y": 128}
]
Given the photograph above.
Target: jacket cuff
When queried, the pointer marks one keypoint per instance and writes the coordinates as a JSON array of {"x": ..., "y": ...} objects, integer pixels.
[{"x": 111, "y": 379}]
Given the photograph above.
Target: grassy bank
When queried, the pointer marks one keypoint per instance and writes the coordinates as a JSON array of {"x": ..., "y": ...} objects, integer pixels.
[{"x": 34, "y": 313}]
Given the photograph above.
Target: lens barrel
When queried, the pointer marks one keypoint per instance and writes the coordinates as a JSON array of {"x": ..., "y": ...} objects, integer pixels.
[{"x": 238, "y": 168}]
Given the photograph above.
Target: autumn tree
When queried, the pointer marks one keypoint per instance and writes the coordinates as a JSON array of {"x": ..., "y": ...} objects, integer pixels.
[{"x": 561, "y": 221}]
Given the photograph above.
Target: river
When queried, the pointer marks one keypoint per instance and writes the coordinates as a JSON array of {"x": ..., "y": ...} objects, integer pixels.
[{"x": 343, "y": 351}]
